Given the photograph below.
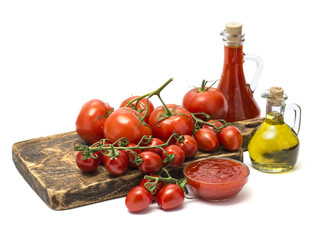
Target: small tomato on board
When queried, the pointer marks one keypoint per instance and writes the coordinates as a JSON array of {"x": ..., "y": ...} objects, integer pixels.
[
  {"x": 131, "y": 156},
  {"x": 189, "y": 146},
  {"x": 216, "y": 123},
  {"x": 88, "y": 165},
  {"x": 141, "y": 107},
  {"x": 89, "y": 123},
  {"x": 170, "y": 196},
  {"x": 164, "y": 124},
  {"x": 179, "y": 155},
  {"x": 155, "y": 142},
  {"x": 116, "y": 165},
  {"x": 138, "y": 199},
  {"x": 124, "y": 122},
  {"x": 231, "y": 138},
  {"x": 152, "y": 162},
  {"x": 208, "y": 100},
  {"x": 207, "y": 140}
]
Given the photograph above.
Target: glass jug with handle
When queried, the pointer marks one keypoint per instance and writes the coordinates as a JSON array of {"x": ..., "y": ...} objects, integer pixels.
[
  {"x": 233, "y": 85},
  {"x": 274, "y": 145}
]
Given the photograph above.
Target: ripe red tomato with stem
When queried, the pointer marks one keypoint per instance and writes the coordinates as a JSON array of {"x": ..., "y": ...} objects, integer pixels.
[
  {"x": 166, "y": 120},
  {"x": 125, "y": 122},
  {"x": 131, "y": 156},
  {"x": 207, "y": 140},
  {"x": 231, "y": 138},
  {"x": 179, "y": 155},
  {"x": 141, "y": 106},
  {"x": 218, "y": 125},
  {"x": 155, "y": 142},
  {"x": 89, "y": 123},
  {"x": 170, "y": 196},
  {"x": 89, "y": 165},
  {"x": 147, "y": 183},
  {"x": 189, "y": 146},
  {"x": 116, "y": 165},
  {"x": 138, "y": 199},
  {"x": 151, "y": 163},
  {"x": 205, "y": 99}
]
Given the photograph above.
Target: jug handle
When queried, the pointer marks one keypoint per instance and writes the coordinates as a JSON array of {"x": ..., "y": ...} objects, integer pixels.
[
  {"x": 257, "y": 73},
  {"x": 297, "y": 116}
]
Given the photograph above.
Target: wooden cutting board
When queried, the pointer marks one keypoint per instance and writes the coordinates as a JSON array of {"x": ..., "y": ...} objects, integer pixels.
[{"x": 48, "y": 165}]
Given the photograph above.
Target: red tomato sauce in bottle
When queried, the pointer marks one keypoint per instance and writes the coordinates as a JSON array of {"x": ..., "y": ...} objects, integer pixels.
[{"x": 233, "y": 85}]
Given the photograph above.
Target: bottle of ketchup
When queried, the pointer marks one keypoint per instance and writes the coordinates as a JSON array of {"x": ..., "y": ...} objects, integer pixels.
[{"x": 233, "y": 85}]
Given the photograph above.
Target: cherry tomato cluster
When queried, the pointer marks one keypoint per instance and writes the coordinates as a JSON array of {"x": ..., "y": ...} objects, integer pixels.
[
  {"x": 168, "y": 192},
  {"x": 149, "y": 155},
  {"x": 137, "y": 135}
]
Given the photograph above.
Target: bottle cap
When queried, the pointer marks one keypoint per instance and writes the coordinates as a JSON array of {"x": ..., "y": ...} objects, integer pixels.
[
  {"x": 234, "y": 28},
  {"x": 276, "y": 95}
]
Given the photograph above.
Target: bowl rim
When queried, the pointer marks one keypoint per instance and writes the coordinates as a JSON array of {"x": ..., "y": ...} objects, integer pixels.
[{"x": 216, "y": 183}]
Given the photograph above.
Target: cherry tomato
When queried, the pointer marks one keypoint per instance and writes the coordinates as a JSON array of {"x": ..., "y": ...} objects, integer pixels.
[
  {"x": 116, "y": 165},
  {"x": 89, "y": 123},
  {"x": 216, "y": 123},
  {"x": 124, "y": 122},
  {"x": 155, "y": 142},
  {"x": 152, "y": 162},
  {"x": 170, "y": 196},
  {"x": 231, "y": 138},
  {"x": 177, "y": 152},
  {"x": 140, "y": 107},
  {"x": 131, "y": 157},
  {"x": 189, "y": 146},
  {"x": 159, "y": 185},
  {"x": 207, "y": 140},
  {"x": 206, "y": 99},
  {"x": 181, "y": 123},
  {"x": 88, "y": 165},
  {"x": 138, "y": 199}
]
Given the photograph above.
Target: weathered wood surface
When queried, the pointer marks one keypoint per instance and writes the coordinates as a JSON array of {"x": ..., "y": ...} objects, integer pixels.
[{"x": 48, "y": 165}]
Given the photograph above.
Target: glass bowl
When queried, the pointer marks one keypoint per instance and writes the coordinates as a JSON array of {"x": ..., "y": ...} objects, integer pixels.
[{"x": 216, "y": 179}]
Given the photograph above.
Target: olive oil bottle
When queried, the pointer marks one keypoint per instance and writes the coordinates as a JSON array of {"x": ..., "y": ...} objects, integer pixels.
[{"x": 274, "y": 146}]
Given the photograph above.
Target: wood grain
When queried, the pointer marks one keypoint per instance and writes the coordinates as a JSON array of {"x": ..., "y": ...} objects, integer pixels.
[{"x": 48, "y": 166}]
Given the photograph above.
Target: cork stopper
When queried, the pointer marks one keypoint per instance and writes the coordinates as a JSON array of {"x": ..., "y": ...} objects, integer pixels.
[
  {"x": 276, "y": 95},
  {"x": 234, "y": 28}
]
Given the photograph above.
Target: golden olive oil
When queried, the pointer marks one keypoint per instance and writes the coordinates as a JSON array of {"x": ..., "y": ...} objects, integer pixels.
[{"x": 274, "y": 146}]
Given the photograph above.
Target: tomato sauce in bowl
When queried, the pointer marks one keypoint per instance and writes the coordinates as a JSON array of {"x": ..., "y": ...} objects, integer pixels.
[{"x": 216, "y": 179}]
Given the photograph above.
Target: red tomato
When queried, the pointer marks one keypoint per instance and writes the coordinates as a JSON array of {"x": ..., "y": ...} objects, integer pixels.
[
  {"x": 181, "y": 123},
  {"x": 131, "y": 157},
  {"x": 206, "y": 99},
  {"x": 138, "y": 199},
  {"x": 140, "y": 107},
  {"x": 124, "y": 122},
  {"x": 231, "y": 138},
  {"x": 216, "y": 123},
  {"x": 117, "y": 165},
  {"x": 159, "y": 185},
  {"x": 155, "y": 142},
  {"x": 207, "y": 140},
  {"x": 189, "y": 146},
  {"x": 177, "y": 152},
  {"x": 89, "y": 123},
  {"x": 152, "y": 162},
  {"x": 170, "y": 196},
  {"x": 88, "y": 165}
]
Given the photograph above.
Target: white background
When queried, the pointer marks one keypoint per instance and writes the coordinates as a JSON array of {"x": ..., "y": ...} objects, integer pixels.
[{"x": 56, "y": 55}]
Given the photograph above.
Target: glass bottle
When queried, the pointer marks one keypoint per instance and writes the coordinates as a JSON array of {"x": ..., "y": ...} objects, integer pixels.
[
  {"x": 233, "y": 85},
  {"x": 274, "y": 146}
]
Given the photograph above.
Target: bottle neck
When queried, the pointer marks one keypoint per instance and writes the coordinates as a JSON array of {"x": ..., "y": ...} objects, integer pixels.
[
  {"x": 274, "y": 112},
  {"x": 233, "y": 55}
]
